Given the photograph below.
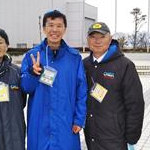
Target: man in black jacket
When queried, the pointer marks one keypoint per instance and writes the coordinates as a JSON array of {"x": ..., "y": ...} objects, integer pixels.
[
  {"x": 115, "y": 100},
  {"x": 12, "y": 101}
]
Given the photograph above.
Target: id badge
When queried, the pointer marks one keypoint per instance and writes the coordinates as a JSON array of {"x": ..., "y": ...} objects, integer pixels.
[
  {"x": 48, "y": 76},
  {"x": 4, "y": 92},
  {"x": 98, "y": 92}
]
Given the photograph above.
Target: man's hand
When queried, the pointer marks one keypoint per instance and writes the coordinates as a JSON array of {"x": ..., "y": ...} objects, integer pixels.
[
  {"x": 36, "y": 64},
  {"x": 76, "y": 129}
]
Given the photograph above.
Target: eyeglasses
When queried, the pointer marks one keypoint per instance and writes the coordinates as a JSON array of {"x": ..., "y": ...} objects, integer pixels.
[
  {"x": 50, "y": 25},
  {"x": 99, "y": 37}
]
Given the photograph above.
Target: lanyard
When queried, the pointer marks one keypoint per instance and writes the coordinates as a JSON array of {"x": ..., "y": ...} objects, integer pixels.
[
  {"x": 92, "y": 80},
  {"x": 47, "y": 56},
  {"x": 49, "y": 74}
]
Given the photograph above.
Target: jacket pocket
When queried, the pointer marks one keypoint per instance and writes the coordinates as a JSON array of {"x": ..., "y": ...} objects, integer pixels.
[
  {"x": 120, "y": 124},
  {"x": 107, "y": 126}
]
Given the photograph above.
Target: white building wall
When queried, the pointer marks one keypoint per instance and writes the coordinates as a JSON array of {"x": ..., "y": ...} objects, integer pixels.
[
  {"x": 75, "y": 23},
  {"x": 20, "y": 19},
  {"x": 90, "y": 17},
  {"x": 80, "y": 17}
]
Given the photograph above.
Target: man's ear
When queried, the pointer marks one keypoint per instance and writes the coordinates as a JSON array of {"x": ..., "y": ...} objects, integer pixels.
[
  {"x": 110, "y": 39},
  {"x": 6, "y": 48},
  {"x": 44, "y": 30}
]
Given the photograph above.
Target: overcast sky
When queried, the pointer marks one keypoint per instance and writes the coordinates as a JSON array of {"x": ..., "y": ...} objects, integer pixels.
[{"x": 106, "y": 13}]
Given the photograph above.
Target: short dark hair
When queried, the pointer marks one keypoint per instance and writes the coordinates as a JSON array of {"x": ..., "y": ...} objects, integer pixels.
[
  {"x": 4, "y": 35},
  {"x": 54, "y": 14}
]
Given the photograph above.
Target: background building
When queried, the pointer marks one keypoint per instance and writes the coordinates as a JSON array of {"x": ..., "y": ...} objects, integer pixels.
[{"x": 22, "y": 20}]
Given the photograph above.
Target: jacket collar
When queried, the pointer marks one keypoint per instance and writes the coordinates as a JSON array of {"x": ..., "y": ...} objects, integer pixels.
[
  {"x": 112, "y": 52},
  {"x": 5, "y": 64},
  {"x": 61, "y": 50}
]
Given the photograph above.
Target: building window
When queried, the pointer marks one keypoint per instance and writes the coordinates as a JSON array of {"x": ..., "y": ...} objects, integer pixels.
[{"x": 21, "y": 45}]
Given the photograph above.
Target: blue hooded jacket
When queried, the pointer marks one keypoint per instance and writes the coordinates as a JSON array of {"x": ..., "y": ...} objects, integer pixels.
[{"x": 52, "y": 111}]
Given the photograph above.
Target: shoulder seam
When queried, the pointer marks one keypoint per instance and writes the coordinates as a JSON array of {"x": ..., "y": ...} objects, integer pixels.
[{"x": 73, "y": 51}]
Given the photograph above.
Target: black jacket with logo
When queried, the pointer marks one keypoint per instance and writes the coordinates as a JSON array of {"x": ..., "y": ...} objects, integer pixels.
[
  {"x": 12, "y": 124},
  {"x": 118, "y": 119}
]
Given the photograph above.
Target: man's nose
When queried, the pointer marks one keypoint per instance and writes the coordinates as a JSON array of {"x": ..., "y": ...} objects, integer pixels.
[
  {"x": 98, "y": 40},
  {"x": 53, "y": 28}
]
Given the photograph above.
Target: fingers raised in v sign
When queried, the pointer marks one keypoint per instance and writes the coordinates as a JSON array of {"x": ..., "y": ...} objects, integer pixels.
[{"x": 36, "y": 63}]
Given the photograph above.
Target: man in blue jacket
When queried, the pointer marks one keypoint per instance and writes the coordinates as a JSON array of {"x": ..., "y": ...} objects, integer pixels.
[{"x": 53, "y": 76}]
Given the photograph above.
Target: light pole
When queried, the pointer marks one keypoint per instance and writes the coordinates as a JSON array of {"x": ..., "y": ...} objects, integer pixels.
[
  {"x": 148, "y": 24},
  {"x": 83, "y": 27},
  {"x": 115, "y": 16},
  {"x": 40, "y": 28},
  {"x": 52, "y": 4}
]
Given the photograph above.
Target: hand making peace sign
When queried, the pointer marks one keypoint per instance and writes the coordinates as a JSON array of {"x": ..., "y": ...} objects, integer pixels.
[{"x": 36, "y": 64}]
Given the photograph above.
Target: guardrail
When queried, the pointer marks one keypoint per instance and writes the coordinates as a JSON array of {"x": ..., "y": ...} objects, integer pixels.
[{"x": 143, "y": 70}]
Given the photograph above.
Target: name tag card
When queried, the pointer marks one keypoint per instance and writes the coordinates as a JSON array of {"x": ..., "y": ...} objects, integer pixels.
[
  {"x": 4, "y": 92},
  {"x": 48, "y": 76},
  {"x": 98, "y": 92}
]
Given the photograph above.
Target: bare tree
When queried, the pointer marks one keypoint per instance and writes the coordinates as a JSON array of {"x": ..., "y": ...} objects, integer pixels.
[
  {"x": 142, "y": 40},
  {"x": 122, "y": 39},
  {"x": 139, "y": 20}
]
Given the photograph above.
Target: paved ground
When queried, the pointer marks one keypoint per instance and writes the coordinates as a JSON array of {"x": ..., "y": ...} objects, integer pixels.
[
  {"x": 138, "y": 59},
  {"x": 144, "y": 142}
]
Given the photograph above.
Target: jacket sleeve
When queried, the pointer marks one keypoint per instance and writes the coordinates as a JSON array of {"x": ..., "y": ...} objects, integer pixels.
[
  {"x": 134, "y": 104},
  {"x": 23, "y": 94},
  {"x": 29, "y": 81},
  {"x": 81, "y": 96}
]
